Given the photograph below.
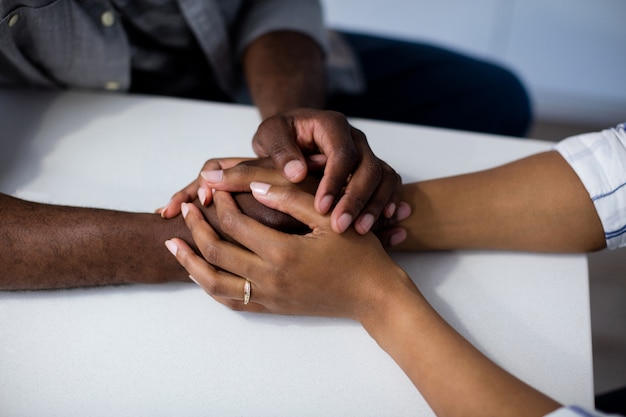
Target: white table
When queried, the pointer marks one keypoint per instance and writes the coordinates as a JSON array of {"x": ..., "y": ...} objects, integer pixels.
[{"x": 171, "y": 350}]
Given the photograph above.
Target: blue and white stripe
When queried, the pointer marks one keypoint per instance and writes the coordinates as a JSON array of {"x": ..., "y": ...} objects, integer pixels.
[{"x": 599, "y": 159}]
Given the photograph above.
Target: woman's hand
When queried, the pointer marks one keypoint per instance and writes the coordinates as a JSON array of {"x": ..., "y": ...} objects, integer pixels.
[
  {"x": 321, "y": 273},
  {"x": 197, "y": 189},
  {"x": 325, "y": 273}
]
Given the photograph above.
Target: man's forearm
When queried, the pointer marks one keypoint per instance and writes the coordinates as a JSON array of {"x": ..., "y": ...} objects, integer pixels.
[
  {"x": 285, "y": 70},
  {"x": 534, "y": 204},
  {"x": 47, "y": 246}
]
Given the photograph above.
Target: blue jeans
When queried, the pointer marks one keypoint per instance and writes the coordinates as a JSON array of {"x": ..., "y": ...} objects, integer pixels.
[{"x": 417, "y": 83}]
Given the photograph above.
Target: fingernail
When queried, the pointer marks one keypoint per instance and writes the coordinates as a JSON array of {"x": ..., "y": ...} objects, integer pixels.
[
  {"x": 164, "y": 209},
  {"x": 213, "y": 175},
  {"x": 184, "y": 209},
  {"x": 259, "y": 188},
  {"x": 367, "y": 222},
  {"x": 404, "y": 211},
  {"x": 171, "y": 246},
  {"x": 344, "y": 221},
  {"x": 325, "y": 203},
  {"x": 194, "y": 280},
  {"x": 293, "y": 169},
  {"x": 202, "y": 196},
  {"x": 318, "y": 158},
  {"x": 397, "y": 237},
  {"x": 390, "y": 209}
]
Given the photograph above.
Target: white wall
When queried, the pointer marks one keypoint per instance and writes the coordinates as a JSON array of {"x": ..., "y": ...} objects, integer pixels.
[{"x": 571, "y": 54}]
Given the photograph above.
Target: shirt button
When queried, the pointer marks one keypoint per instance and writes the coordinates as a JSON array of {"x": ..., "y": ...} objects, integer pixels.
[
  {"x": 107, "y": 19},
  {"x": 112, "y": 85},
  {"x": 13, "y": 20}
]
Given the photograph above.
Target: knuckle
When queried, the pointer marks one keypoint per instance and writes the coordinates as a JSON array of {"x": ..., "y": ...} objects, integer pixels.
[
  {"x": 276, "y": 137},
  {"x": 228, "y": 222},
  {"x": 243, "y": 169},
  {"x": 282, "y": 150},
  {"x": 184, "y": 257},
  {"x": 376, "y": 205},
  {"x": 347, "y": 154},
  {"x": 211, "y": 253},
  {"x": 357, "y": 201},
  {"x": 279, "y": 284},
  {"x": 335, "y": 117},
  {"x": 374, "y": 168},
  {"x": 358, "y": 133},
  {"x": 234, "y": 305},
  {"x": 215, "y": 287}
]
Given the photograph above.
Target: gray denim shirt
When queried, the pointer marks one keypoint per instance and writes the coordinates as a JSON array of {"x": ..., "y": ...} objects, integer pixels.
[{"x": 82, "y": 44}]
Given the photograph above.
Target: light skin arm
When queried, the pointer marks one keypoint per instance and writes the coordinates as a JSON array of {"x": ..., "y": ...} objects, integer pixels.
[
  {"x": 534, "y": 204},
  {"x": 370, "y": 288}
]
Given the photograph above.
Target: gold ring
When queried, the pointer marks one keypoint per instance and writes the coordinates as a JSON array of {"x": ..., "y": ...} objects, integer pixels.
[{"x": 246, "y": 292}]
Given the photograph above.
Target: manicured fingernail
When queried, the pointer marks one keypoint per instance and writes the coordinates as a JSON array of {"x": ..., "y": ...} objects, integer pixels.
[
  {"x": 213, "y": 175},
  {"x": 259, "y": 188},
  {"x": 163, "y": 209},
  {"x": 404, "y": 211},
  {"x": 397, "y": 237},
  {"x": 390, "y": 209},
  {"x": 367, "y": 222},
  {"x": 171, "y": 246},
  {"x": 202, "y": 196},
  {"x": 344, "y": 221},
  {"x": 318, "y": 158},
  {"x": 194, "y": 280},
  {"x": 293, "y": 169},
  {"x": 325, "y": 203},
  {"x": 184, "y": 208}
]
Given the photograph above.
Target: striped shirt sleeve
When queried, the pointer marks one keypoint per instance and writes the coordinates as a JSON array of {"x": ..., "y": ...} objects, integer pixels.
[{"x": 599, "y": 160}]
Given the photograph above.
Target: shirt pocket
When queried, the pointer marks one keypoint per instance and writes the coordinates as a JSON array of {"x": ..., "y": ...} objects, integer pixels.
[
  {"x": 35, "y": 43},
  {"x": 60, "y": 43}
]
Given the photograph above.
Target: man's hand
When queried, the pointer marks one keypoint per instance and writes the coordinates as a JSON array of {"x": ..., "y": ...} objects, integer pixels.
[{"x": 355, "y": 181}]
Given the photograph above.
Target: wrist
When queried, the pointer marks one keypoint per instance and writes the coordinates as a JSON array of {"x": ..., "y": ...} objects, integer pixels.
[{"x": 390, "y": 303}]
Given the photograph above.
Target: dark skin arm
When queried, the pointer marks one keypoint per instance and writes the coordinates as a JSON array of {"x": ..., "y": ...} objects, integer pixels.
[
  {"x": 47, "y": 246},
  {"x": 285, "y": 71}
]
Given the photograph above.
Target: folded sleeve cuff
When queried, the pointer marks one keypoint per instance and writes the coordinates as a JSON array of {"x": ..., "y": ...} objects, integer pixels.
[{"x": 599, "y": 160}]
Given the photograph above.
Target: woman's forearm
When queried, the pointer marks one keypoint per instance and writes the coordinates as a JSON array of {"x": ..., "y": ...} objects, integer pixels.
[
  {"x": 534, "y": 204},
  {"x": 452, "y": 376}
]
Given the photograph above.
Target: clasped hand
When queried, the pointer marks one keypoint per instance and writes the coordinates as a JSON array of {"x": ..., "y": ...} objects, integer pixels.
[
  {"x": 320, "y": 273},
  {"x": 356, "y": 185}
]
